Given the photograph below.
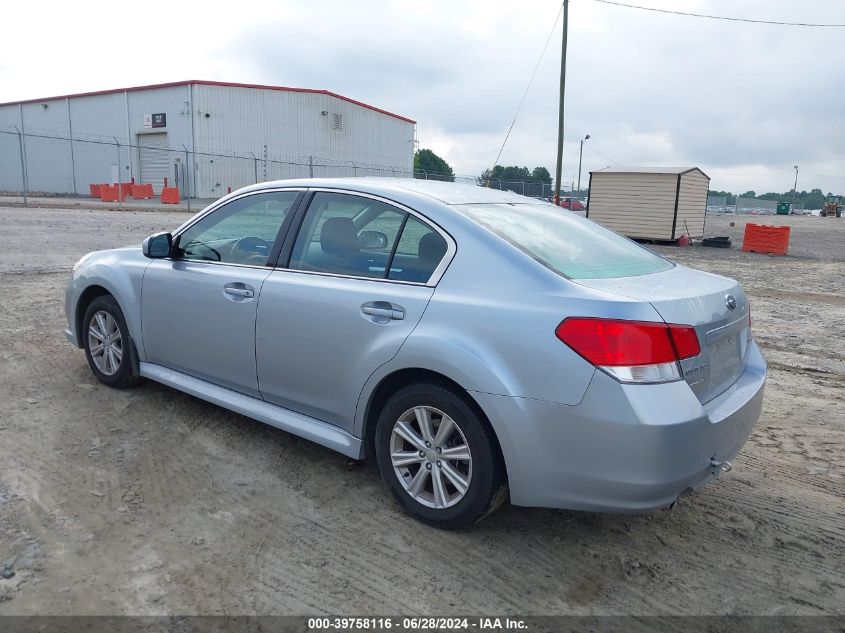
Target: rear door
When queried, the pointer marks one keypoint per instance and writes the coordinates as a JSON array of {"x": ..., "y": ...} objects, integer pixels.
[{"x": 335, "y": 309}]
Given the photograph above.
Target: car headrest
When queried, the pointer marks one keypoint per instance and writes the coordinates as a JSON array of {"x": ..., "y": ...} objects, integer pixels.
[
  {"x": 339, "y": 237},
  {"x": 432, "y": 249}
]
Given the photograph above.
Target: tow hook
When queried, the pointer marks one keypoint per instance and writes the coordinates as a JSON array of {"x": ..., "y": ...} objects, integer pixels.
[{"x": 724, "y": 466}]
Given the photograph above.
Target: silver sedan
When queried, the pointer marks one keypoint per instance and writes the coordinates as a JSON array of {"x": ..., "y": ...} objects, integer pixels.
[{"x": 478, "y": 343}]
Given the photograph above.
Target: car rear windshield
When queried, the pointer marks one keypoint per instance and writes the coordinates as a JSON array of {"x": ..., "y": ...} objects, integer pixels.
[{"x": 565, "y": 242}]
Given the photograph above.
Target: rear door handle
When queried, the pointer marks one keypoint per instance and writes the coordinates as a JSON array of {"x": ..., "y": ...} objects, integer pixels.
[{"x": 384, "y": 310}]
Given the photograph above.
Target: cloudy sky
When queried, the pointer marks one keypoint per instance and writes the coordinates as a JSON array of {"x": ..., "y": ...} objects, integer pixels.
[{"x": 745, "y": 102}]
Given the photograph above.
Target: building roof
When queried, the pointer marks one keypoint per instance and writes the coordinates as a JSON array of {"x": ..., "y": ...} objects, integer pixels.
[
  {"x": 224, "y": 84},
  {"x": 648, "y": 170}
]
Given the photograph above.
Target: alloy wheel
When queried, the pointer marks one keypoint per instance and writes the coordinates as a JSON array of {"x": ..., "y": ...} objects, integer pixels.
[
  {"x": 105, "y": 342},
  {"x": 431, "y": 457}
]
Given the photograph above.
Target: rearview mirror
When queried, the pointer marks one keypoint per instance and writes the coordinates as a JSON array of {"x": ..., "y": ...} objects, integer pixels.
[
  {"x": 157, "y": 245},
  {"x": 372, "y": 240}
]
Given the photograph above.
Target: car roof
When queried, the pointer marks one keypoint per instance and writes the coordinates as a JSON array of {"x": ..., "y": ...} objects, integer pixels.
[{"x": 445, "y": 192}]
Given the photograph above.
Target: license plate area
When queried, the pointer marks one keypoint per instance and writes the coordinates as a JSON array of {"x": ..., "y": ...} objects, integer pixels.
[{"x": 726, "y": 356}]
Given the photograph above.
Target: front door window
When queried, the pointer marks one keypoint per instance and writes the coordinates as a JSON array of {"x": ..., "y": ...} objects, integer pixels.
[{"x": 240, "y": 232}]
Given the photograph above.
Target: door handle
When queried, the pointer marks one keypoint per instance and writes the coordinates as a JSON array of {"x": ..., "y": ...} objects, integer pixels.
[
  {"x": 383, "y": 310},
  {"x": 239, "y": 290}
]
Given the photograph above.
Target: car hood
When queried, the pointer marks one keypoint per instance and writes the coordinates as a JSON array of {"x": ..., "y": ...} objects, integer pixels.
[{"x": 109, "y": 256}]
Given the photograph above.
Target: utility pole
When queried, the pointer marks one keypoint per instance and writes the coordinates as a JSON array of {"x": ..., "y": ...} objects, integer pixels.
[
  {"x": 559, "y": 167},
  {"x": 794, "y": 187},
  {"x": 580, "y": 156}
]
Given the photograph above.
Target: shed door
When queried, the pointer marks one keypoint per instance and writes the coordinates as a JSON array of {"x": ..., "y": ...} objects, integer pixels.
[{"x": 154, "y": 159}]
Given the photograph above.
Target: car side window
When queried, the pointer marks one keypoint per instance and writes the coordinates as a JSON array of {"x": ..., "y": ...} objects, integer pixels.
[
  {"x": 240, "y": 232},
  {"x": 347, "y": 235},
  {"x": 420, "y": 251}
]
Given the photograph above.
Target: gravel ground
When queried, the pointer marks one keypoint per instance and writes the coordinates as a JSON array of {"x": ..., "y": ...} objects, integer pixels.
[{"x": 148, "y": 501}]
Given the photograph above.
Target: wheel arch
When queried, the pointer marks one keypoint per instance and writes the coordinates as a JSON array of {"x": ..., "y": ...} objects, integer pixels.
[
  {"x": 118, "y": 273},
  {"x": 88, "y": 296},
  {"x": 85, "y": 298},
  {"x": 399, "y": 378}
]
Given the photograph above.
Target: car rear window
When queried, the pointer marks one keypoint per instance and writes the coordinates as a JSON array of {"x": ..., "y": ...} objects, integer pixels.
[{"x": 565, "y": 242}]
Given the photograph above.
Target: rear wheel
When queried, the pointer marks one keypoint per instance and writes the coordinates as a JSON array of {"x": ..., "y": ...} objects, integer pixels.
[
  {"x": 438, "y": 457},
  {"x": 107, "y": 345}
]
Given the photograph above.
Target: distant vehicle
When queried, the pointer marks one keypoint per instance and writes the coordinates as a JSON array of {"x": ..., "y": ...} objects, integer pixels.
[
  {"x": 832, "y": 207},
  {"x": 572, "y": 204},
  {"x": 473, "y": 341}
]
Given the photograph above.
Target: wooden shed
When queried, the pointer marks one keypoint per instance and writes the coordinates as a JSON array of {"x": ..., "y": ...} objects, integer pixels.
[{"x": 650, "y": 203}]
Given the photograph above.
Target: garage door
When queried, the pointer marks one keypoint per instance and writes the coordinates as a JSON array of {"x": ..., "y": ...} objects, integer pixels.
[{"x": 154, "y": 159}]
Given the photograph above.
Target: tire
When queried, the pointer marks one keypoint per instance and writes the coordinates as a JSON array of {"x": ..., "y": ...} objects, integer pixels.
[
  {"x": 411, "y": 469},
  {"x": 717, "y": 242},
  {"x": 113, "y": 366}
]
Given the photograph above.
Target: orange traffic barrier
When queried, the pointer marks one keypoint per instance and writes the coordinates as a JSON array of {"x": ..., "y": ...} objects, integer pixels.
[
  {"x": 142, "y": 192},
  {"x": 125, "y": 189},
  {"x": 112, "y": 193},
  {"x": 95, "y": 190},
  {"x": 762, "y": 238},
  {"x": 170, "y": 195}
]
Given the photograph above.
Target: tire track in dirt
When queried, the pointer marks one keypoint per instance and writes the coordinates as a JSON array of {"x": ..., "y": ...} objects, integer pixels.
[{"x": 811, "y": 371}]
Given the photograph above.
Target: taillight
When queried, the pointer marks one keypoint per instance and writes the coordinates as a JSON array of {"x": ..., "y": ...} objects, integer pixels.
[
  {"x": 631, "y": 351},
  {"x": 685, "y": 340}
]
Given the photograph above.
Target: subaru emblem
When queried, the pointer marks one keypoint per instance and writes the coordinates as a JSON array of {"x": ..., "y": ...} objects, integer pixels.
[{"x": 730, "y": 301}]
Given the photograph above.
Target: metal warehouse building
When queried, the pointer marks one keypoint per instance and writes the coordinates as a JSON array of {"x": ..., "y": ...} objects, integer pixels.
[
  {"x": 651, "y": 203},
  {"x": 203, "y": 136}
]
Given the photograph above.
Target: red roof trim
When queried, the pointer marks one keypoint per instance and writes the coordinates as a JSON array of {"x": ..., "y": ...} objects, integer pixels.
[{"x": 225, "y": 84}]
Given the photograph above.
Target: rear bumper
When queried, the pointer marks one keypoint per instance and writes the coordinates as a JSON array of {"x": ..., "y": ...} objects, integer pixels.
[{"x": 624, "y": 448}]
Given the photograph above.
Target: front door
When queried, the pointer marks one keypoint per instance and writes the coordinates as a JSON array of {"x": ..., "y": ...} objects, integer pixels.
[
  {"x": 353, "y": 291},
  {"x": 198, "y": 307}
]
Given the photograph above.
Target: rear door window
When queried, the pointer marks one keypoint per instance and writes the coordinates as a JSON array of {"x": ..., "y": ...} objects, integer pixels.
[
  {"x": 419, "y": 252},
  {"x": 353, "y": 235},
  {"x": 347, "y": 235}
]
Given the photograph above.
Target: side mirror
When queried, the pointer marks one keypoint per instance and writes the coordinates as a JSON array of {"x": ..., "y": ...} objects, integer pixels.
[
  {"x": 372, "y": 240},
  {"x": 157, "y": 246}
]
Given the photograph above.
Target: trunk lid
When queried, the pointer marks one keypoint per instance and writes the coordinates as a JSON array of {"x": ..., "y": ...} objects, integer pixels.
[{"x": 691, "y": 297}]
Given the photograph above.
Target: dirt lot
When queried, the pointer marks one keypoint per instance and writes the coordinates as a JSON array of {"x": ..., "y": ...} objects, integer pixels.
[{"x": 152, "y": 502}]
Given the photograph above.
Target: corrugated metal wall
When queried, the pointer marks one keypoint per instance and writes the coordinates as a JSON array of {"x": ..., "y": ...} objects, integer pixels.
[
  {"x": 230, "y": 126},
  {"x": 292, "y": 126}
]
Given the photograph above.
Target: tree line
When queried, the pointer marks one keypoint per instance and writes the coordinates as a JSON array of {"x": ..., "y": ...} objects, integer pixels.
[
  {"x": 427, "y": 164},
  {"x": 813, "y": 199}
]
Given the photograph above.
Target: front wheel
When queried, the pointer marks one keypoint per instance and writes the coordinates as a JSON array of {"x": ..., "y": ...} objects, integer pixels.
[
  {"x": 438, "y": 457},
  {"x": 107, "y": 345}
]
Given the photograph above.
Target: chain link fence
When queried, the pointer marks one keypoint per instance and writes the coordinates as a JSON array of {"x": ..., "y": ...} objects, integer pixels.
[
  {"x": 46, "y": 162},
  {"x": 753, "y": 206},
  {"x": 716, "y": 204}
]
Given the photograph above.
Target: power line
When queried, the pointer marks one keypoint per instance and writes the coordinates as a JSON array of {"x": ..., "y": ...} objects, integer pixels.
[
  {"x": 718, "y": 17},
  {"x": 595, "y": 151},
  {"x": 528, "y": 87}
]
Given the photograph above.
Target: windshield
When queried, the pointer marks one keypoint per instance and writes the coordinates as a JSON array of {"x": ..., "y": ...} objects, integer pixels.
[{"x": 565, "y": 242}]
